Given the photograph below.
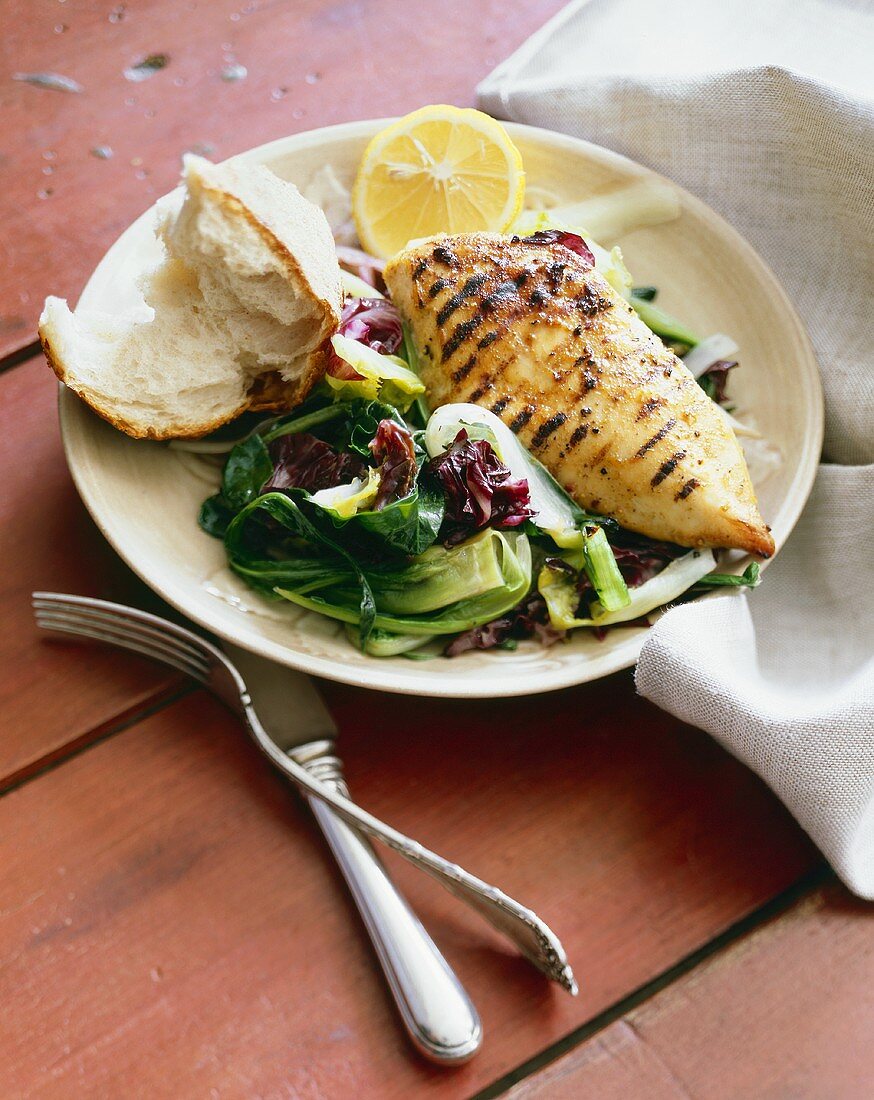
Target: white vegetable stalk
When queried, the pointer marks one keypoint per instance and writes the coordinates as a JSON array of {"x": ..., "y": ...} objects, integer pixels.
[
  {"x": 609, "y": 216},
  {"x": 709, "y": 351},
  {"x": 353, "y": 287},
  {"x": 675, "y": 579}
]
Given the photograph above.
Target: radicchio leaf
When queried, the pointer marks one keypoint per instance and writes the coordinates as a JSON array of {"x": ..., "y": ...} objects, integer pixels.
[
  {"x": 640, "y": 558},
  {"x": 363, "y": 264},
  {"x": 530, "y": 619},
  {"x": 300, "y": 461},
  {"x": 371, "y": 321},
  {"x": 714, "y": 379},
  {"x": 573, "y": 241},
  {"x": 480, "y": 491},
  {"x": 393, "y": 451}
]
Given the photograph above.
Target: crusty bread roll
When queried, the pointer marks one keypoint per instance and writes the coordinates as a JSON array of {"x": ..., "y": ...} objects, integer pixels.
[{"x": 237, "y": 317}]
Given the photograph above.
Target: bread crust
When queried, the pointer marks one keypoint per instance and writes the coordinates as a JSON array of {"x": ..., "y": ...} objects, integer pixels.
[{"x": 134, "y": 430}]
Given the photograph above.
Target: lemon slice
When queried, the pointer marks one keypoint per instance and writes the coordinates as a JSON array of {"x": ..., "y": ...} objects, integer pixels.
[{"x": 440, "y": 169}]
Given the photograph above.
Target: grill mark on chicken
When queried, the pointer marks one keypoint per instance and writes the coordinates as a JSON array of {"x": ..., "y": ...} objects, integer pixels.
[
  {"x": 489, "y": 338},
  {"x": 577, "y": 436},
  {"x": 649, "y": 407},
  {"x": 590, "y": 303},
  {"x": 463, "y": 372},
  {"x": 601, "y": 455},
  {"x": 554, "y": 273},
  {"x": 461, "y": 333},
  {"x": 667, "y": 468},
  {"x": 521, "y": 419},
  {"x": 502, "y": 293},
  {"x": 500, "y": 405},
  {"x": 437, "y": 286},
  {"x": 420, "y": 268},
  {"x": 539, "y": 296},
  {"x": 485, "y": 385},
  {"x": 660, "y": 434},
  {"x": 689, "y": 487},
  {"x": 547, "y": 428},
  {"x": 444, "y": 255},
  {"x": 472, "y": 285}
]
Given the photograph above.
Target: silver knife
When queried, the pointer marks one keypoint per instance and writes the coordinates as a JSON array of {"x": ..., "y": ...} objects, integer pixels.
[{"x": 436, "y": 1011}]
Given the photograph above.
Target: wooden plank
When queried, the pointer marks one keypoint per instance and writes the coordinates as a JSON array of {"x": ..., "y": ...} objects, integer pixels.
[
  {"x": 309, "y": 63},
  {"x": 615, "y": 1065},
  {"x": 169, "y": 925},
  {"x": 788, "y": 1012},
  {"x": 52, "y": 697}
]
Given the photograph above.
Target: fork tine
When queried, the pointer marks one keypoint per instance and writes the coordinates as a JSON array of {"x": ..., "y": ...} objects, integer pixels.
[
  {"x": 87, "y": 606},
  {"x": 199, "y": 670},
  {"x": 161, "y": 637},
  {"x": 98, "y": 616}
]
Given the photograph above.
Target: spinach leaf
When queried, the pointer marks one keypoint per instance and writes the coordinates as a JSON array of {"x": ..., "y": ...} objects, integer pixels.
[
  {"x": 314, "y": 415},
  {"x": 346, "y": 425},
  {"x": 215, "y": 515},
  {"x": 359, "y": 426},
  {"x": 409, "y": 525},
  {"x": 333, "y": 564},
  {"x": 248, "y": 467}
]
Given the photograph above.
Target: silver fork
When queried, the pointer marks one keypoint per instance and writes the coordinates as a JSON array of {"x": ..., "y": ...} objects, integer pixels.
[{"x": 181, "y": 649}]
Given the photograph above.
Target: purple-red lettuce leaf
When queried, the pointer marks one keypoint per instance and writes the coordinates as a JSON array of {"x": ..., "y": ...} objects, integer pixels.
[
  {"x": 363, "y": 264},
  {"x": 529, "y": 619},
  {"x": 713, "y": 381},
  {"x": 480, "y": 491},
  {"x": 374, "y": 322},
  {"x": 300, "y": 461},
  {"x": 572, "y": 241},
  {"x": 395, "y": 455}
]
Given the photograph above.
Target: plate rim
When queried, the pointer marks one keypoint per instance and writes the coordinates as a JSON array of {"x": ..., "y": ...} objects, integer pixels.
[{"x": 384, "y": 679}]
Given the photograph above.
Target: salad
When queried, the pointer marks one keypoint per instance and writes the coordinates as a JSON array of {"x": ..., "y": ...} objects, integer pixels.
[
  {"x": 432, "y": 532},
  {"x": 412, "y": 527}
]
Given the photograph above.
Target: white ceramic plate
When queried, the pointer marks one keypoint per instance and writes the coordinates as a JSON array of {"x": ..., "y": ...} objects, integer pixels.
[{"x": 145, "y": 496}]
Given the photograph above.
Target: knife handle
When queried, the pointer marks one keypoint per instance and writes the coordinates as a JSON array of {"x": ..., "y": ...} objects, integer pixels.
[{"x": 436, "y": 1011}]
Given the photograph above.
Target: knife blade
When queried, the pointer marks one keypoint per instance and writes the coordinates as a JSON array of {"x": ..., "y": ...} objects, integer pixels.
[{"x": 287, "y": 702}]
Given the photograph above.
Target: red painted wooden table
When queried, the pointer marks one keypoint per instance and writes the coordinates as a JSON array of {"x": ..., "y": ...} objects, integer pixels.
[{"x": 170, "y": 922}]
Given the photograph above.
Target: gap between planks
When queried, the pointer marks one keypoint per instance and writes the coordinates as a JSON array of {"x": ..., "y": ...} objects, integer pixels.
[
  {"x": 118, "y": 723},
  {"x": 20, "y": 355},
  {"x": 775, "y": 907}
]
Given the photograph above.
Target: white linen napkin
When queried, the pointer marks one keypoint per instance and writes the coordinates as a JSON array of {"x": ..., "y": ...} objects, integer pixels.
[{"x": 765, "y": 111}]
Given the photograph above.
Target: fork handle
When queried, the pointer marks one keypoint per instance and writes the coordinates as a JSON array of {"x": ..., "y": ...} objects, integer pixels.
[
  {"x": 435, "y": 1009},
  {"x": 534, "y": 938}
]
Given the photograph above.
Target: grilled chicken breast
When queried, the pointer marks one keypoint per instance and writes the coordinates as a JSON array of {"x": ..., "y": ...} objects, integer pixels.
[{"x": 532, "y": 332}]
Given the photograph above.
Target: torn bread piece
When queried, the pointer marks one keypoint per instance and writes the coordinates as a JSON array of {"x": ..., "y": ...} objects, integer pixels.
[{"x": 237, "y": 317}]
